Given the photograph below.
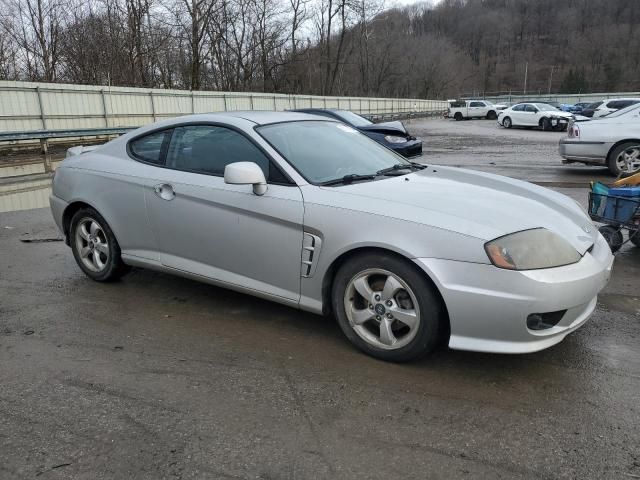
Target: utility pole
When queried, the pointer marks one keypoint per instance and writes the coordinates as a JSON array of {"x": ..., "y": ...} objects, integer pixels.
[
  {"x": 526, "y": 72},
  {"x": 551, "y": 78}
]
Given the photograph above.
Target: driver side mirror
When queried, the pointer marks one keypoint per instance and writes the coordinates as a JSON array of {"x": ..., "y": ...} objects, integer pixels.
[{"x": 246, "y": 173}]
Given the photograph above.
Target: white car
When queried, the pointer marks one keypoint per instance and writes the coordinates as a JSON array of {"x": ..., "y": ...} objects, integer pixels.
[
  {"x": 540, "y": 115},
  {"x": 613, "y": 141},
  {"x": 613, "y": 105}
]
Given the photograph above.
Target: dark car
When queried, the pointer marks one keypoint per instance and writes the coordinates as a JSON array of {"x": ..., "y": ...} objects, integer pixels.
[
  {"x": 392, "y": 135},
  {"x": 590, "y": 109},
  {"x": 580, "y": 106}
]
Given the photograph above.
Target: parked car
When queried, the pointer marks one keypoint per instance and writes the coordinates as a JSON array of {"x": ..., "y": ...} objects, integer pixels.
[
  {"x": 605, "y": 107},
  {"x": 534, "y": 115},
  {"x": 613, "y": 105},
  {"x": 590, "y": 109},
  {"x": 311, "y": 213},
  {"x": 613, "y": 141},
  {"x": 393, "y": 135},
  {"x": 461, "y": 109},
  {"x": 580, "y": 106}
]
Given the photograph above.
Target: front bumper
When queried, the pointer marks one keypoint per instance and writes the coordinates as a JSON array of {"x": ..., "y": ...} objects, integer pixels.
[
  {"x": 585, "y": 152},
  {"x": 488, "y": 306},
  {"x": 412, "y": 148}
]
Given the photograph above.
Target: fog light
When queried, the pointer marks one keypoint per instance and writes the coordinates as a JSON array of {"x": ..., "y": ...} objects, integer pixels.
[{"x": 542, "y": 321}]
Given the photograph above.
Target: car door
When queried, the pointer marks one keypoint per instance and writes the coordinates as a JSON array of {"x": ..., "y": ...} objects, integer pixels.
[
  {"x": 476, "y": 109},
  {"x": 220, "y": 231},
  {"x": 517, "y": 114},
  {"x": 530, "y": 115}
]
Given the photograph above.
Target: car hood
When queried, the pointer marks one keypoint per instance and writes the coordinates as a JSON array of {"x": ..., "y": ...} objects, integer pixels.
[
  {"x": 386, "y": 128},
  {"x": 472, "y": 203}
]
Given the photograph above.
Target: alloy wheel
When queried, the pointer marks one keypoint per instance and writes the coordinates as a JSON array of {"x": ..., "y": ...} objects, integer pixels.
[
  {"x": 92, "y": 244},
  {"x": 628, "y": 160},
  {"x": 382, "y": 309}
]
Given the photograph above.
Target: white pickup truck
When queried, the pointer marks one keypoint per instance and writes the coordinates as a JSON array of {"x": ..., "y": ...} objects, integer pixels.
[{"x": 460, "y": 109}]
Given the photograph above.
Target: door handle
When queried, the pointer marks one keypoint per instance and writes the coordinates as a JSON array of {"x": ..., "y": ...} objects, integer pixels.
[{"x": 164, "y": 191}]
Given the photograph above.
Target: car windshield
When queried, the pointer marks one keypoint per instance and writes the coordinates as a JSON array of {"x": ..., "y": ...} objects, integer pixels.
[
  {"x": 324, "y": 151},
  {"x": 353, "y": 118},
  {"x": 623, "y": 111},
  {"x": 546, "y": 107},
  {"x": 595, "y": 105}
]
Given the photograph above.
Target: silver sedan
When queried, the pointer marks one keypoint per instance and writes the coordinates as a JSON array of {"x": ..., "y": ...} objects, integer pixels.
[
  {"x": 612, "y": 140},
  {"x": 315, "y": 215}
]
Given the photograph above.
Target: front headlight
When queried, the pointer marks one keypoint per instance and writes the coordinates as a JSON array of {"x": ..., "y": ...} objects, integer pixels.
[
  {"x": 530, "y": 250},
  {"x": 395, "y": 139}
]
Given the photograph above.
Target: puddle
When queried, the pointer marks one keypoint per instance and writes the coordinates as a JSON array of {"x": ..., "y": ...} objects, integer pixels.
[
  {"x": 24, "y": 195},
  {"x": 25, "y": 183}
]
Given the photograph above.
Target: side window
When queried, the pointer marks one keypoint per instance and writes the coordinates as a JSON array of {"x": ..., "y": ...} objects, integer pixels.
[
  {"x": 518, "y": 108},
  {"x": 530, "y": 108},
  {"x": 476, "y": 104},
  {"x": 150, "y": 148},
  {"x": 209, "y": 149}
]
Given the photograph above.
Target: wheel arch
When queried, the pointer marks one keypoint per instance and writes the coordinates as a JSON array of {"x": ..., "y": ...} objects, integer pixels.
[
  {"x": 620, "y": 142},
  {"x": 71, "y": 210},
  {"x": 330, "y": 273}
]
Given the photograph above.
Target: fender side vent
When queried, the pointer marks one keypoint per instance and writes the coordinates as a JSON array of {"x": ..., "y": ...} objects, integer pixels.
[{"x": 310, "y": 253}]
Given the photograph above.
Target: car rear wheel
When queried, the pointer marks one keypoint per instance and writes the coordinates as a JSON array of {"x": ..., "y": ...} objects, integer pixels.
[
  {"x": 387, "y": 308},
  {"x": 624, "y": 159},
  {"x": 506, "y": 122},
  {"x": 634, "y": 236},
  {"x": 94, "y": 246},
  {"x": 457, "y": 116}
]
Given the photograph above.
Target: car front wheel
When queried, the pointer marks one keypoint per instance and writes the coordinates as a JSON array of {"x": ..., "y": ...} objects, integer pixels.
[
  {"x": 387, "y": 308},
  {"x": 506, "y": 122},
  {"x": 94, "y": 246}
]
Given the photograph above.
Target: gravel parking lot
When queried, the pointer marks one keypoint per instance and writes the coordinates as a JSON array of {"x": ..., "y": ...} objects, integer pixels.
[{"x": 162, "y": 377}]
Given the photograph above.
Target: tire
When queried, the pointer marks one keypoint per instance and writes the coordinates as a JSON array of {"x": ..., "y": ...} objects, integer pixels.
[
  {"x": 613, "y": 236},
  {"x": 634, "y": 236},
  {"x": 94, "y": 246},
  {"x": 491, "y": 115},
  {"x": 373, "y": 319},
  {"x": 457, "y": 116},
  {"x": 545, "y": 123},
  {"x": 506, "y": 122},
  {"x": 616, "y": 159}
]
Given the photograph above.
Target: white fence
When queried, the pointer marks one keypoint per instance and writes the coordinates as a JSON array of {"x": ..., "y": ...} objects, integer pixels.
[{"x": 26, "y": 106}]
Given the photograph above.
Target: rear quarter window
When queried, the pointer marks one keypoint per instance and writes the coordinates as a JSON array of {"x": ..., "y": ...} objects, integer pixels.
[{"x": 151, "y": 148}]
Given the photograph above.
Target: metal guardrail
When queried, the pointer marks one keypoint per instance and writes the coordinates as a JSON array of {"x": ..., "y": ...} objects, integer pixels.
[{"x": 45, "y": 135}]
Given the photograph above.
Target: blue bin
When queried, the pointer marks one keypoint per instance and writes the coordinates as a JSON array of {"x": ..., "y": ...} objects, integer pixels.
[
  {"x": 625, "y": 192},
  {"x": 621, "y": 209}
]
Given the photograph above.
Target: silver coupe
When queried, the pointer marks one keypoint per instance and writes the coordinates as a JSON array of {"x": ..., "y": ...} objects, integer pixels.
[{"x": 313, "y": 214}]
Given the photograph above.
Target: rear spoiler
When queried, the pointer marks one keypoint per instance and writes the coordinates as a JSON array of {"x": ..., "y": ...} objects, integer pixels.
[{"x": 73, "y": 151}]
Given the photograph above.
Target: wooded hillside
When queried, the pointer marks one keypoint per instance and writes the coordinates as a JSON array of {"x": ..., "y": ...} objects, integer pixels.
[{"x": 334, "y": 47}]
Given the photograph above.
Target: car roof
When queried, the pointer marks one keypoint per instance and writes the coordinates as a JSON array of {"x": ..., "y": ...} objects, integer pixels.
[
  {"x": 313, "y": 109},
  {"x": 264, "y": 117}
]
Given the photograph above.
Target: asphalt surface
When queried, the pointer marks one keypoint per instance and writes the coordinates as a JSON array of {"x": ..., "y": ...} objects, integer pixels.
[
  {"x": 527, "y": 154},
  {"x": 161, "y": 377}
]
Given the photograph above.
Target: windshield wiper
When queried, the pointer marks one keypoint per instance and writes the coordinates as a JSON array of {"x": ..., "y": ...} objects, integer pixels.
[
  {"x": 347, "y": 179},
  {"x": 400, "y": 166}
]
